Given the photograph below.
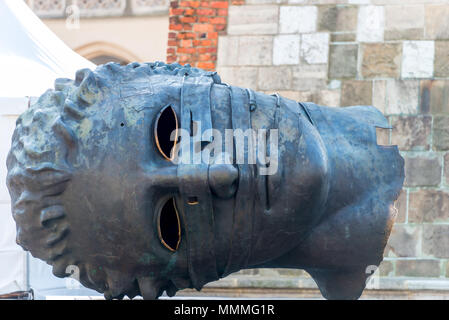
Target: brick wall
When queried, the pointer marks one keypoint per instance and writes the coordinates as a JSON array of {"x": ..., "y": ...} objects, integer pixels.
[
  {"x": 393, "y": 54},
  {"x": 194, "y": 30}
]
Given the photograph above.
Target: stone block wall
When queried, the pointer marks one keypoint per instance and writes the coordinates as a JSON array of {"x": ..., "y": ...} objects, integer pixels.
[{"x": 393, "y": 54}]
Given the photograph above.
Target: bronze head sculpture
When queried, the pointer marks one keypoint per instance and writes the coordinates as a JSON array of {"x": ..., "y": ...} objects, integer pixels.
[{"x": 96, "y": 181}]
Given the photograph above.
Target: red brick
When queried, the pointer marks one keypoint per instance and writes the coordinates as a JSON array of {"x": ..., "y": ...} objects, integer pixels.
[
  {"x": 192, "y": 4},
  {"x": 204, "y": 57},
  {"x": 203, "y": 19},
  {"x": 174, "y": 4},
  {"x": 218, "y": 20},
  {"x": 171, "y": 51},
  {"x": 184, "y": 59},
  {"x": 206, "y": 50},
  {"x": 186, "y": 35},
  {"x": 238, "y": 2},
  {"x": 185, "y": 43},
  {"x": 171, "y": 59},
  {"x": 175, "y": 27},
  {"x": 172, "y": 35},
  {"x": 206, "y": 42},
  {"x": 205, "y": 12},
  {"x": 186, "y": 50},
  {"x": 220, "y": 27},
  {"x": 187, "y": 19},
  {"x": 189, "y": 12},
  {"x": 212, "y": 35},
  {"x": 219, "y": 4},
  {"x": 205, "y": 4},
  {"x": 173, "y": 20},
  {"x": 203, "y": 28},
  {"x": 187, "y": 27},
  {"x": 222, "y": 12},
  {"x": 172, "y": 43},
  {"x": 176, "y": 12},
  {"x": 206, "y": 65}
]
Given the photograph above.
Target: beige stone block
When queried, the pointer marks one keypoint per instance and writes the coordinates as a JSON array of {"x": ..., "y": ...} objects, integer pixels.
[
  {"x": 253, "y": 19},
  {"x": 434, "y": 96},
  {"x": 381, "y": 60},
  {"x": 402, "y": 97},
  {"x": 428, "y": 206},
  {"x": 343, "y": 61},
  {"x": 356, "y": 92},
  {"x": 436, "y": 241},
  {"x": 239, "y": 76},
  {"x": 418, "y": 268},
  {"x": 275, "y": 78},
  {"x": 228, "y": 51},
  {"x": 411, "y": 133},
  {"x": 437, "y": 22},
  {"x": 422, "y": 171},
  {"x": 329, "y": 98},
  {"x": 441, "y": 59},
  {"x": 337, "y": 18},
  {"x": 404, "y": 241},
  {"x": 309, "y": 77},
  {"x": 255, "y": 50},
  {"x": 380, "y": 95}
]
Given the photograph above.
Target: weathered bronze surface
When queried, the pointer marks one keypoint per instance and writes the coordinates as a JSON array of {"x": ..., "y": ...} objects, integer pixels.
[{"x": 94, "y": 183}]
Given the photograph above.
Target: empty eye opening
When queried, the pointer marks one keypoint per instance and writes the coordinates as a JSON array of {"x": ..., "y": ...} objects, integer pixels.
[
  {"x": 169, "y": 225},
  {"x": 166, "y": 123}
]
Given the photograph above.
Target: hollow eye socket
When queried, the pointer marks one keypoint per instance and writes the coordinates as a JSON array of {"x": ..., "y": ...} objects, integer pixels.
[
  {"x": 169, "y": 225},
  {"x": 166, "y": 122}
]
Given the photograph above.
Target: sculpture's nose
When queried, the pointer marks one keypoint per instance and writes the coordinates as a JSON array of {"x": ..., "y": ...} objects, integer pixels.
[
  {"x": 223, "y": 180},
  {"x": 163, "y": 177}
]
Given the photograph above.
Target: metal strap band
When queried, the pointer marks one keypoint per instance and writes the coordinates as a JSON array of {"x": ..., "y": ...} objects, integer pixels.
[
  {"x": 197, "y": 207},
  {"x": 303, "y": 105},
  {"x": 244, "y": 200},
  {"x": 252, "y": 100}
]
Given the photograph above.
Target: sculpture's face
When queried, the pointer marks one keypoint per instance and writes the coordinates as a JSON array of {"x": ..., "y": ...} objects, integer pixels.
[
  {"x": 123, "y": 196},
  {"x": 124, "y": 204}
]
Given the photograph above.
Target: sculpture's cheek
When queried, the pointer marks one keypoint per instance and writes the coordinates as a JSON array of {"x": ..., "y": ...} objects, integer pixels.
[{"x": 296, "y": 196}]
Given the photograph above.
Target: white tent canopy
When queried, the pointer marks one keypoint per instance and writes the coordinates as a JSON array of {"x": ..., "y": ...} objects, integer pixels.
[{"x": 31, "y": 58}]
